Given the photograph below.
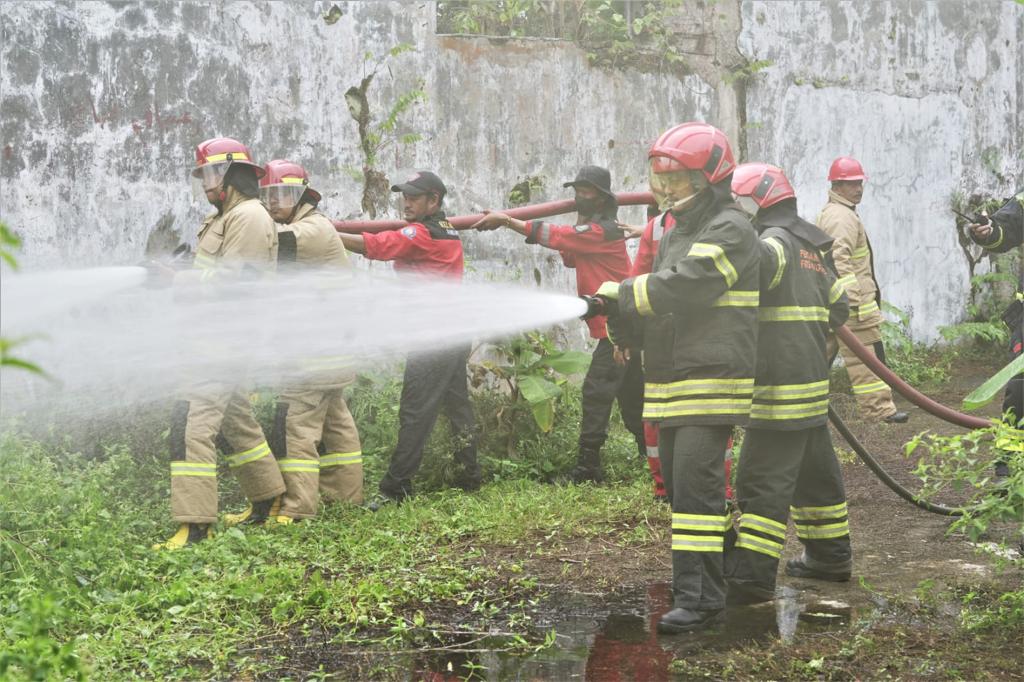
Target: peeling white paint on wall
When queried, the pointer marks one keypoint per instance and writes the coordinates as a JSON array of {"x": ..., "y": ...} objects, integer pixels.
[
  {"x": 917, "y": 91},
  {"x": 103, "y": 103}
]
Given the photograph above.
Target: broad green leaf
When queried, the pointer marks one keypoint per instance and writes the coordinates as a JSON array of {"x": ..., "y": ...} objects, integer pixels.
[
  {"x": 568, "y": 362},
  {"x": 544, "y": 414},
  {"x": 984, "y": 394},
  {"x": 536, "y": 390}
]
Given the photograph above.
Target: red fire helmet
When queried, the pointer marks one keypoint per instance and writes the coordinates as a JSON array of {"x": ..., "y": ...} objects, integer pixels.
[
  {"x": 287, "y": 173},
  {"x": 223, "y": 150},
  {"x": 693, "y": 146},
  {"x": 767, "y": 185},
  {"x": 846, "y": 168}
]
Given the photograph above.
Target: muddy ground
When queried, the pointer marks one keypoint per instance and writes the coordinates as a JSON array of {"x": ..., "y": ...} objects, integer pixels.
[{"x": 899, "y": 618}]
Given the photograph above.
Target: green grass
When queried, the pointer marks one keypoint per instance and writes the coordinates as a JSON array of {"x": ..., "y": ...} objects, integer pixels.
[{"x": 81, "y": 593}]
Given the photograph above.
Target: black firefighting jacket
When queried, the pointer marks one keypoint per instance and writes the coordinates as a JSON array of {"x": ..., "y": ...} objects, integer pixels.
[
  {"x": 698, "y": 309},
  {"x": 1007, "y": 229},
  {"x": 801, "y": 300}
]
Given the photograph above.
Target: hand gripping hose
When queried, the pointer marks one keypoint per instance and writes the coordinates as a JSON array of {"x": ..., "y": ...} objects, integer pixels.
[{"x": 462, "y": 222}]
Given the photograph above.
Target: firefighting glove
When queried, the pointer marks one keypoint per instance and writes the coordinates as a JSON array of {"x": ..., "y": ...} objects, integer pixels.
[{"x": 608, "y": 292}]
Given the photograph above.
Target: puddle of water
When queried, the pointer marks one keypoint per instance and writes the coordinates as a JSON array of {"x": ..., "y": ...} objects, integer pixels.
[{"x": 616, "y": 639}]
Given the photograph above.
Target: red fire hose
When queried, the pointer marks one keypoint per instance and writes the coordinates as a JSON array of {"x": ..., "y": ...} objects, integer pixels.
[
  {"x": 461, "y": 222},
  {"x": 866, "y": 355},
  {"x": 869, "y": 358}
]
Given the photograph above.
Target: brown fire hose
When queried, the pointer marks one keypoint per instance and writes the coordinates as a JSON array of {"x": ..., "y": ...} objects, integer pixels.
[{"x": 462, "y": 222}]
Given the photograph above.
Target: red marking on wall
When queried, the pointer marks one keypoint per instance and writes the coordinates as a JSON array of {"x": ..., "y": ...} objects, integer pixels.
[{"x": 8, "y": 152}]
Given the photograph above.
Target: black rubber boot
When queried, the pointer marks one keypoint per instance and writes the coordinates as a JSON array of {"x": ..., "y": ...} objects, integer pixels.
[
  {"x": 798, "y": 569},
  {"x": 686, "y": 620},
  {"x": 588, "y": 466},
  {"x": 744, "y": 592}
]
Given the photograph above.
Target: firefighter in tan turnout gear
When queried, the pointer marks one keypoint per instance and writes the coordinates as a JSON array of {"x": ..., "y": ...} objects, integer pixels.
[
  {"x": 854, "y": 262},
  {"x": 314, "y": 436},
  {"x": 787, "y": 465},
  {"x": 237, "y": 241}
]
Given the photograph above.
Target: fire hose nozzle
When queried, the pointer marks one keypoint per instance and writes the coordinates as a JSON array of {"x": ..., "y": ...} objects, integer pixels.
[{"x": 596, "y": 306}]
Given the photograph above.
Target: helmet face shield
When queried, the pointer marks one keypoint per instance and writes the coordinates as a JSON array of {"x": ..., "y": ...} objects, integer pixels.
[
  {"x": 675, "y": 187},
  {"x": 281, "y": 198},
  {"x": 206, "y": 178},
  {"x": 747, "y": 204}
]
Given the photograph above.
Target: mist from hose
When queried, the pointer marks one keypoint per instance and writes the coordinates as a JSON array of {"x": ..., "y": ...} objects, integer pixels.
[{"x": 108, "y": 343}]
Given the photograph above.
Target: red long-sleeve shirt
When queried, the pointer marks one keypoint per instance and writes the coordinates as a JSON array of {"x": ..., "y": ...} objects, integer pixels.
[
  {"x": 649, "y": 240},
  {"x": 428, "y": 248},
  {"x": 596, "y": 250}
]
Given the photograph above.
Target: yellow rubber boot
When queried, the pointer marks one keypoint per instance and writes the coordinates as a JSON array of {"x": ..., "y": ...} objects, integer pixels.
[
  {"x": 188, "y": 534},
  {"x": 256, "y": 513}
]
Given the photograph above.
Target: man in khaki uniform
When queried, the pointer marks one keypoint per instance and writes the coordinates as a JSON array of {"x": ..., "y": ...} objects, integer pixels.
[
  {"x": 238, "y": 241},
  {"x": 314, "y": 436},
  {"x": 854, "y": 263}
]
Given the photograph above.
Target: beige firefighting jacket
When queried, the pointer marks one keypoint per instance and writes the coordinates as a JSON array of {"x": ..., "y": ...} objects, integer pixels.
[
  {"x": 239, "y": 240},
  {"x": 316, "y": 241},
  {"x": 310, "y": 241},
  {"x": 852, "y": 256}
]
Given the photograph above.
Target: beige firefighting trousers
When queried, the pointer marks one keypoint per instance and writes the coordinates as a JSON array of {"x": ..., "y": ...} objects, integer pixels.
[
  {"x": 873, "y": 395},
  {"x": 317, "y": 448},
  {"x": 206, "y": 418}
]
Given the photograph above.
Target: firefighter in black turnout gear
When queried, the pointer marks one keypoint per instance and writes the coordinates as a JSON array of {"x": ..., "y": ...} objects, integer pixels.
[
  {"x": 697, "y": 314},
  {"x": 1003, "y": 231},
  {"x": 787, "y": 464}
]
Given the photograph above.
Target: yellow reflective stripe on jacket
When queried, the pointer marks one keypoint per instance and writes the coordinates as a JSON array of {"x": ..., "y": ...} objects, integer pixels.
[
  {"x": 303, "y": 466},
  {"x": 996, "y": 226},
  {"x": 860, "y": 253},
  {"x": 835, "y": 511},
  {"x": 846, "y": 281},
  {"x": 791, "y": 391},
  {"x": 873, "y": 387},
  {"x": 643, "y": 303},
  {"x": 737, "y": 299},
  {"x": 698, "y": 387},
  {"x": 836, "y": 292},
  {"x": 825, "y": 532},
  {"x": 780, "y": 254},
  {"x": 793, "y": 313},
  {"x": 708, "y": 522},
  {"x": 717, "y": 255},
  {"x": 691, "y": 408},
  {"x": 334, "y": 459},
  {"x": 193, "y": 469},
  {"x": 250, "y": 455},
  {"x": 867, "y": 309},
  {"x": 771, "y": 411}
]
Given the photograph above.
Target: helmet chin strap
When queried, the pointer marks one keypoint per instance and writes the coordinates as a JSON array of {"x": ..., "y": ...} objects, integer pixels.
[{"x": 679, "y": 206}]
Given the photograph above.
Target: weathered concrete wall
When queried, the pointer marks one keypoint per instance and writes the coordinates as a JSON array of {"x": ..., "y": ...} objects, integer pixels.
[
  {"x": 102, "y": 104},
  {"x": 921, "y": 93}
]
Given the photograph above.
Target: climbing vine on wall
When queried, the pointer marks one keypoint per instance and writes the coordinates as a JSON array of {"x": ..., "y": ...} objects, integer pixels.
[{"x": 613, "y": 32}]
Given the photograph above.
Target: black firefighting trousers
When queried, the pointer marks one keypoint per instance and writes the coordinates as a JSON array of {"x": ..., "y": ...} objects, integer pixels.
[
  {"x": 605, "y": 383},
  {"x": 433, "y": 382},
  {"x": 692, "y": 462},
  {"x": 783, "y": 474}
]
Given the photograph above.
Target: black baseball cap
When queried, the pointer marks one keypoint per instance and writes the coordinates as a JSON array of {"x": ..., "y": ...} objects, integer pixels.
[
  {"x": 594, "y": 176},
  {"x": 421, "y": 182}
]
